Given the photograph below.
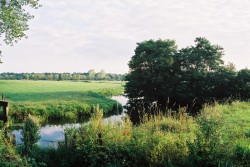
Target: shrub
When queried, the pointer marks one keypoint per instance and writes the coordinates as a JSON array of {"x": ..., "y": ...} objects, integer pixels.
[
  {"x": 209, "y": 148},
  {"x": 8, "y": 153},
  {"x": 30, "y": 134}
]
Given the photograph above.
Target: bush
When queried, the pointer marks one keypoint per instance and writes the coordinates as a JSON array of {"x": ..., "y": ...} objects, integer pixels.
[
  {"x": 30, "y": 134},
  {"x": 209, "y": 148},
  {"x": 8, "y": 153}
]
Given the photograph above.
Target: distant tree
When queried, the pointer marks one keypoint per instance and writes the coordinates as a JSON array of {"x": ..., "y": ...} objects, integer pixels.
[
  {"x": 61, "y": 76},
  {"x": 91, "y": 74},
  {"x": 14, "y": 19},
  {"x": 56, "y": 77},
  {"x": 101, "y": 75},
  {"x": 50, "y": 76},
  {"x": 76, "y": 76},
  {"x": 66, "y": 76}
]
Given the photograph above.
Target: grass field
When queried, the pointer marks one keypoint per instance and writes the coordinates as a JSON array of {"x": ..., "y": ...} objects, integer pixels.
[{"x": 58, "y": 99}]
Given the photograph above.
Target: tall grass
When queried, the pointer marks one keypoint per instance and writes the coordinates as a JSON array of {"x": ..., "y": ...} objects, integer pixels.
[
  {"x": 160, "y": 140},
  {"x": 218, "y": 136}
]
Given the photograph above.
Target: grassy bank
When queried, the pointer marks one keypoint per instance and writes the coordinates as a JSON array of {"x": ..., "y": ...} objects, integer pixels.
[
  {"x": 219, "y": 136},
  {"x": 59, "y": 99}
]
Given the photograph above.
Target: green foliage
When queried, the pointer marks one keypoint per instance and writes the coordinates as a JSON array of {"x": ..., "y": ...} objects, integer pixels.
[
  {"x": 148, "y": 71},
  {"x": 243, "y": 83},
  {"x": 8, "y": 153},
  {"x": 14, "y": 19},
  {"x": 209, "y": 148},
  {"x": 192, "y": 76},
  {"x": 242, "y": 155},
  {"x": 63, "y": 76},
  {"x": 91, "y": 74},
  {"x": 30, "y": 134}
]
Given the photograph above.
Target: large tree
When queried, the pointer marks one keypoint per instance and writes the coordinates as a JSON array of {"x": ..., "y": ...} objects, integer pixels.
[
  {"x": 196, "y": 63},
  {"x": 151, "y": 70},
  {"x": 160, "y": 74},
  {"x": 14, "y": 20}
]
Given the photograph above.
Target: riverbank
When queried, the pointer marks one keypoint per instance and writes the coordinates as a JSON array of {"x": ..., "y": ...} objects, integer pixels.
[
  {"x": 51, "y": 133},
  {"x": 57, "y": 100},
  {"x": 219, "y": 136}
]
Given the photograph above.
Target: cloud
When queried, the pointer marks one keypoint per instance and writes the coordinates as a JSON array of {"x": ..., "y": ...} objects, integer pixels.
[{"x": 102, "y": 34}]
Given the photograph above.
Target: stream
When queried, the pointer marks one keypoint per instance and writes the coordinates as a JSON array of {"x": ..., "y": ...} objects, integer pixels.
[{"x": 51, "y": 134}]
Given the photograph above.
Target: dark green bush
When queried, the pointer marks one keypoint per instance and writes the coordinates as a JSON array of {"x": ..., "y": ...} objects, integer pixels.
[{"x": 30, "y": 134}]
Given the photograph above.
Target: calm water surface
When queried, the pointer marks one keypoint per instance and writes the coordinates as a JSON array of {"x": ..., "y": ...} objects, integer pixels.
[{"x": 51, "y": 134}]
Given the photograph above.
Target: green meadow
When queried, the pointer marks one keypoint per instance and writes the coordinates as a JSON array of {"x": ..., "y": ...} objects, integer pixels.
[{"x": 53, "y": 100}]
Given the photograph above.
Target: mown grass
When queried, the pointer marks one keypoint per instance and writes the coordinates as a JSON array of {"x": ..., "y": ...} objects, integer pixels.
[
  {"x": 218, "y": 136},
  {"x": 59, "y": 99}
]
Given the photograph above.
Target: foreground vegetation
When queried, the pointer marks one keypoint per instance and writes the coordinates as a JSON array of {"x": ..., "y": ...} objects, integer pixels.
[
  {"x": 218, "y": 136},
  {"x": 54, "y": 100}
]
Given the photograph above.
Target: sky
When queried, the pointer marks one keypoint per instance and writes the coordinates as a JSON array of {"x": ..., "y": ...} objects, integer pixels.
[{"x": 79, "y": 35}]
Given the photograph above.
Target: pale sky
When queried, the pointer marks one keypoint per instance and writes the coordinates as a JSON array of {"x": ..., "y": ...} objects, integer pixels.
[{"x": 79, "y": 35}]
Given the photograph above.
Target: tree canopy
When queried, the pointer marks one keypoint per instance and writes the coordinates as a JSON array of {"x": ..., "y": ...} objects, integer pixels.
[
  {"x": 14, "y": 19},
  {"x": 163, "y": 75}
]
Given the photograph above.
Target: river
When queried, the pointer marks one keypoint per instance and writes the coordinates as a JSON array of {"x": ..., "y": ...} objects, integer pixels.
[{"x": 51, "y": 134}]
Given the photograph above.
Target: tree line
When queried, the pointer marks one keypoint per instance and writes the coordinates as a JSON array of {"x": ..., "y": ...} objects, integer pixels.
[
  {"x": 90, "y": 75},
  {"x": 162, "y": 74}
]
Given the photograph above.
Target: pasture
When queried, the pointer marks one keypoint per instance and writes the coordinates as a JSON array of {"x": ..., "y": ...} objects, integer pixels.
[{"x": 59, "y": 99}]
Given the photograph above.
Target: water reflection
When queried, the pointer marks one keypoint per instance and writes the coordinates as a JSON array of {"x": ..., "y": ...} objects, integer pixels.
[
  {"x": 51, "y": 134},
  {"x": 122, "y": 100}
]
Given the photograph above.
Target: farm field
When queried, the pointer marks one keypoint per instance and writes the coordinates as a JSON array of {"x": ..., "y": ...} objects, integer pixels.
[{"x": 59, "y": 99}]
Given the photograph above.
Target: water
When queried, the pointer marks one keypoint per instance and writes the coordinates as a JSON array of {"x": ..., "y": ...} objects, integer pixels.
[
  {"x": 122, "y": 100},
  {"x": 51, "y": 134}
]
